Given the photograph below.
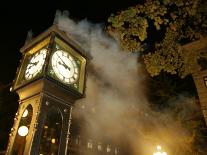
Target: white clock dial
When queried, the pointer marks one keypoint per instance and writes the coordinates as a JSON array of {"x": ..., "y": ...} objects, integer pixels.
[
  {"x": 35, "y": 64},
  {"x": 65, "y": 67}
]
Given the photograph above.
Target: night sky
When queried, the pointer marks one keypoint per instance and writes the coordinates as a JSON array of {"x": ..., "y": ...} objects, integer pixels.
[{"x": 18, "y": 19}]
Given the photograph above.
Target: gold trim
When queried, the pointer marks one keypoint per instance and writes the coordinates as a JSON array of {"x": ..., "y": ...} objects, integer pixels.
[
  {"x": 82, "y": 76},
  {"x": 48, "y": 32},
  {"x": 39, "y": 45},
  {"x": 34, "y": 102},
  {"x": 205, "y": 80},
  {"x": 80, "y": 58}
]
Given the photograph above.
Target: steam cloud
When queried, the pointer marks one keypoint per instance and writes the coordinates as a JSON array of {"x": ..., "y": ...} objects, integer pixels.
[{"x": 115, "y": 109}]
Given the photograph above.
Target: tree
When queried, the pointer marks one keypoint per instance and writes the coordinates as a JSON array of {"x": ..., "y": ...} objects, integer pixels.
[{"x": 158, "y": 29}]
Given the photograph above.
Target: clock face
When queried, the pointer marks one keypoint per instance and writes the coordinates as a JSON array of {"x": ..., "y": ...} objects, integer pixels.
[
  {"x": 65, "y": 67},
  {"x": 35, "y": 64}
]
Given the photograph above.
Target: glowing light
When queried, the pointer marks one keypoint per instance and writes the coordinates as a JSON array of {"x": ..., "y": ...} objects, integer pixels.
[
  {"x": 158, "y": 152},
  {"x": 108, "y": 148},
  {"x": 25, "y": 113},
  {"x": 99, "y": 147},
  {"x": 159, "y": 147},
  {"x": 53, "y": 140},
  {"x": 93, "y": 110},
  {"x": 90, "y": 144},
  {"x": 23, "y": 131}
]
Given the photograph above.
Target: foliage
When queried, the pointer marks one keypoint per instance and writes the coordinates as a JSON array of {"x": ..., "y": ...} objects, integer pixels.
[
  {"x": 158, "y": 28},
  {"x": 168, "y": 88}
]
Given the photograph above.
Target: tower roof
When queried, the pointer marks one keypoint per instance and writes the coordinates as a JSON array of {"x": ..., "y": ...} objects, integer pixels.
[{"x": 54, "y": 29}]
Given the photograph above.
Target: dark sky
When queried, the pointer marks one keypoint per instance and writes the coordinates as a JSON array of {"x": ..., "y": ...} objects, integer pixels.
[{"x": 17, "y": 19}]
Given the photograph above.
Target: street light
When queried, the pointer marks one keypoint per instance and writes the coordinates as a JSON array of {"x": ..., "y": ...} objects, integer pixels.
[
  {"x": 159, "y": 152},
  {"x": 23, "y": 131}
]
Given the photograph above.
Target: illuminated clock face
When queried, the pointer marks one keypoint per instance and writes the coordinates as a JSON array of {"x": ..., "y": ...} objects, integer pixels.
[
  {"x": 35, "y": 64},
  {"x": 65, "y": 67}
]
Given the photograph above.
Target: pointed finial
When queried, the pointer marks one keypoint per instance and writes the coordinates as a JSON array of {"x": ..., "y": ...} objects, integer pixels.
[
  {"x": 57, "y": 15},
  {"x": 29, "y": 36},
  {"x": 66, "y": 13}
]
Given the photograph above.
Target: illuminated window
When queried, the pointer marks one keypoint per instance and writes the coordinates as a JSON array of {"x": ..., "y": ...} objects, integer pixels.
[
  {"x": 50, "y": 138},
  {"x": 90, "y": 145},
  {"x": 76, "y": 141},
  {"x": 205, "y": 80},
  {"x": 108, "y": 149},
  {"x": 116, "y": 151},
  {"x": 99, "y": 147}
]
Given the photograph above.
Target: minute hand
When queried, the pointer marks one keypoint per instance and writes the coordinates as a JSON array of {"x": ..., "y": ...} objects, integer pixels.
[
  {"x": 64, "y": 64},
  {"x": 33, "y": 64}
]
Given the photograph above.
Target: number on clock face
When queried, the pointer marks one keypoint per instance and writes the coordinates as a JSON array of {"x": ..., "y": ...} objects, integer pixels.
[
  {"x": 35, "y": 64},
  {"x": 65, "y": 67}
]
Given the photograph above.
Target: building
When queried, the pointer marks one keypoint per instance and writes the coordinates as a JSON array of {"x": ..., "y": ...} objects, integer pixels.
[{"x": 200, "y": 74}]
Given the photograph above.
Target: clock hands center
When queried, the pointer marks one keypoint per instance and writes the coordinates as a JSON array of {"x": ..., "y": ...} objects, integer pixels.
[
  {"x": 33, "y": 64},
  {"x": 63, "y": 63}
]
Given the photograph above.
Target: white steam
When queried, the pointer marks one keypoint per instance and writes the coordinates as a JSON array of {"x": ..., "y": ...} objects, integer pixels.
[{"x": 115, "y": 109}]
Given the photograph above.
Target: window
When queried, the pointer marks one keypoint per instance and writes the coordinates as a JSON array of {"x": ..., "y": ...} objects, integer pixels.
[
  {"x": 205, "y": 80},
  {"x": 99, "y": 147},
  {"x": 23, "y": 131},
  {"x": 76, "y": 141},
  {"x": 90, "y": 144},
  {"x": 116, "y": 150},
  {"x": 108, "y": 149},
  {"x": 50, "y": 138}
]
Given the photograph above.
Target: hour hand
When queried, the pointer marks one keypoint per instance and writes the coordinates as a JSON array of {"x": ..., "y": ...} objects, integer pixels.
[
  {"x": 33, "y": 64},
  {"x": 61, "y": 63}
]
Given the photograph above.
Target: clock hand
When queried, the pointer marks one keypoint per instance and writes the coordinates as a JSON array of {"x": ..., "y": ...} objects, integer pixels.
[
  {"x": 64, "y": 64},
  {"x": 33, "y": 64}
]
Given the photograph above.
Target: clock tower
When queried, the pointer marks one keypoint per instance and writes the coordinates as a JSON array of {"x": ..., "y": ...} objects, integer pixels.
[{"x": 51, "y": 77}]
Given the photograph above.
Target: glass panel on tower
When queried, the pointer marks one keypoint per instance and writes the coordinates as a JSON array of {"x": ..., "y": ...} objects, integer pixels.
[
  {"x": 67, "y": 66},
  {"x": 205, "y": 80},
  {"x": 33, "y": 63},
  {"x": 50, "y": 138}
]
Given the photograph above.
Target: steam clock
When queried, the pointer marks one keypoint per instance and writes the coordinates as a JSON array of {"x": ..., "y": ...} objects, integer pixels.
[{"x": 51, "y": 77}]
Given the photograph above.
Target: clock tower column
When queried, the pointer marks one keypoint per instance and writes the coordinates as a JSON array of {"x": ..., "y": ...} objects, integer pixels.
[{"x": 51, "y": 77}]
